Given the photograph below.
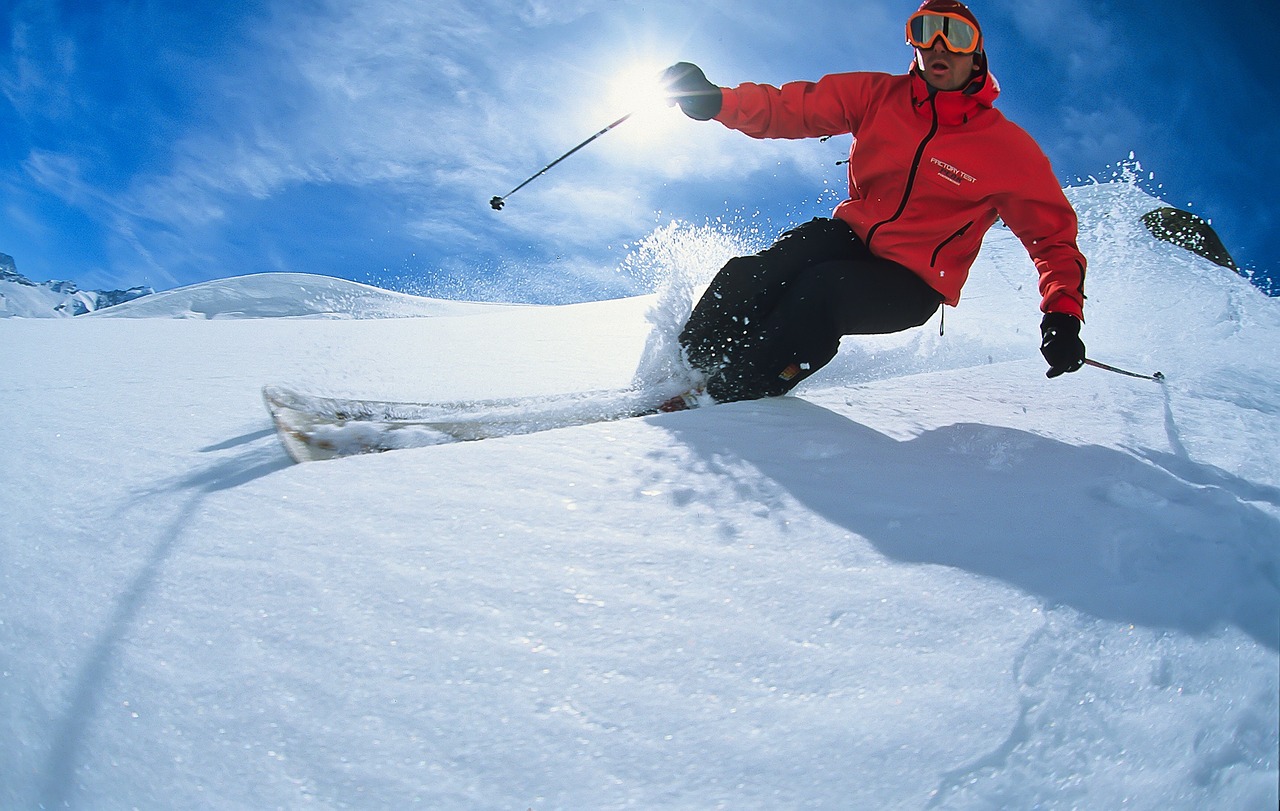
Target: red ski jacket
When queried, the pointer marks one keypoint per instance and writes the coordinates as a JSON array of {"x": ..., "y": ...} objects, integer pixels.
[{"x": 929, "y": 173}]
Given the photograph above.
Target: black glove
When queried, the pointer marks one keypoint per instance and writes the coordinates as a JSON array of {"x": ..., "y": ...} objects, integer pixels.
[
  {"x": 1060, "y": 343},
  {"x": 687, "y": 86}
]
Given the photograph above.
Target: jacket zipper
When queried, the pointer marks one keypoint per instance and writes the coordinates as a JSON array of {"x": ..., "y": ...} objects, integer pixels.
[
  {"x": 933, "y": 260},
  {"x": 911, "y": 176}
]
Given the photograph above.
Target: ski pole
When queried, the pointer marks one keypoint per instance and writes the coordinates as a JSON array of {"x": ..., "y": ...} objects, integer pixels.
[
  {"x": 498, "y": 202},
  {"x": 1158, "y": 376}
]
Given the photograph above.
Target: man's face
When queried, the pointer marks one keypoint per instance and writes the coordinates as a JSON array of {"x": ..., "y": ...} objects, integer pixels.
[{"x": 943, "y": 69}]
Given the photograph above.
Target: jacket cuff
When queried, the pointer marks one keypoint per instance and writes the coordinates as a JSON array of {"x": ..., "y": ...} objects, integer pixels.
[
  {"x": 728, "y": 106},
  {"x": 1063, "y": 304}
]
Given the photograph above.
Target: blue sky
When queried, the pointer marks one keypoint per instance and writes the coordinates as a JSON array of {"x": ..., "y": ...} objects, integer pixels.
[{"x": 173, "y": 141}]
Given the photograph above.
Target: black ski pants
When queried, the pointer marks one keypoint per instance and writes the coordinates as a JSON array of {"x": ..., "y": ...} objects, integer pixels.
[{"x": 772, "y": 319}]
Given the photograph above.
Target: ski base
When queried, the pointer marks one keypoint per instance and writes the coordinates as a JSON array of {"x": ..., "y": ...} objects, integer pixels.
[{"x": 315, "y": 428}]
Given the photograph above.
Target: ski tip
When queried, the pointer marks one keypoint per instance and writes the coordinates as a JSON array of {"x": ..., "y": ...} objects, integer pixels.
[
  {"x": 275, "y": 394},
  {"x": 278, "y": 397}
]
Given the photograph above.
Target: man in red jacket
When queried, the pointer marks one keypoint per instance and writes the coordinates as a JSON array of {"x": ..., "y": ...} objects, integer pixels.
[{"x": 932, "y": 167}]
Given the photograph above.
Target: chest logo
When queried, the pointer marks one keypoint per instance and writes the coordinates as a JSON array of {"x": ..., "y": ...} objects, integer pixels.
[{"x": 950, "y": 173}]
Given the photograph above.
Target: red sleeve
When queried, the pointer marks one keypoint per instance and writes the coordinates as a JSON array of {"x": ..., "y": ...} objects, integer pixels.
[
  {"x": 1042, "y": 218},
  {"x": 833, "y": 105}
]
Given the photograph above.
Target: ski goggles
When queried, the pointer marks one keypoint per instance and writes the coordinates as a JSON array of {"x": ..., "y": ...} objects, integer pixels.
[{"x": 958, "y": 34}]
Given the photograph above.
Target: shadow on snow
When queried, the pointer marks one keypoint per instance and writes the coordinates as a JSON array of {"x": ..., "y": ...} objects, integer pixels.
[
  {"x": 57, "y": 787},
  {"x": 1123, "y": 538}
]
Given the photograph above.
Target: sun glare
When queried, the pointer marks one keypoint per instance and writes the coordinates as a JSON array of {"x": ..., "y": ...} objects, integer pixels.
[
  {"x": 638, "y": 88},
  {"x": 639, "y": 91}
]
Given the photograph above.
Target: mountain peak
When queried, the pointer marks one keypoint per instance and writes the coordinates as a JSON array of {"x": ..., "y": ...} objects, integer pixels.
[
  {"x": 9, "y": 271},
  {"x": 22, "y": 298}
]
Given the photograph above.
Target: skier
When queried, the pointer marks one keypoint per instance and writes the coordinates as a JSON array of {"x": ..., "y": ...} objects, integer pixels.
[{"x": 932, "y": 167}]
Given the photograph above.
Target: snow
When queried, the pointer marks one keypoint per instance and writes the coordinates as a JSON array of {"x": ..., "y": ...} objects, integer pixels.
[
  {"x": 930, "y": 579},
  {"x": 285, "y": 295},
  {"x": 52, "y": 299}
]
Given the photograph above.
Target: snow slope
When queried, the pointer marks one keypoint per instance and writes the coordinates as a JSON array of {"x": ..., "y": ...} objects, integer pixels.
[{"x": 932, "y": 579}]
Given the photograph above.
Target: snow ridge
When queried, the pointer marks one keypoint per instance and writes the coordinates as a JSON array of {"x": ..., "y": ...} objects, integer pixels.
[{"x": 286, "y": 295}]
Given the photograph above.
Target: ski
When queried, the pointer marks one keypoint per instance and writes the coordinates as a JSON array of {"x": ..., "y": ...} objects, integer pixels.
[{"x": 315, "y": 428}]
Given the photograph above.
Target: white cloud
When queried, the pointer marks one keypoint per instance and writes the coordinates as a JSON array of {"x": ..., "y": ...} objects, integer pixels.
[
  {"x": 453, "y": 102},
  {"x": 368, "y": 95},
  {"x": 60, "y": 175},
  {"x": 436, "y": 107},
  {"x": 41, "y": 60}
]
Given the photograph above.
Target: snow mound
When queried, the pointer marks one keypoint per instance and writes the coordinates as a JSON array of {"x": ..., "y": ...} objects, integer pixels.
[{"x": 287, "y": 295}]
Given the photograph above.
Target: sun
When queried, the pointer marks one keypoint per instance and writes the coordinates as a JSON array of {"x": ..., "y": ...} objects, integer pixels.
[{"x": 638, "y": 90}]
